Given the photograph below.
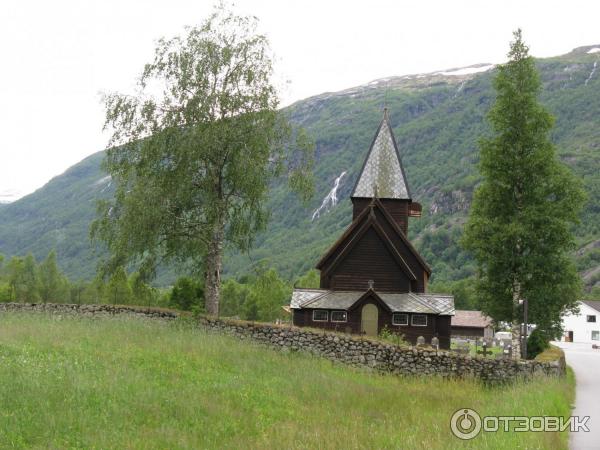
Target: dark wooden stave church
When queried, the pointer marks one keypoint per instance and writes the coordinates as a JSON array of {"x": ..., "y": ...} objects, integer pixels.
[{"x": 373, "y": 277}]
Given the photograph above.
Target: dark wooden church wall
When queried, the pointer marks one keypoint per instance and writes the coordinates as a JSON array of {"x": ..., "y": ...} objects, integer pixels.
[
  {"x": 398, "y": 209},
  {"x": 407, "y": 255},
  {"x": 436, "y": 325},
  {"x": 370, "y": 259}
]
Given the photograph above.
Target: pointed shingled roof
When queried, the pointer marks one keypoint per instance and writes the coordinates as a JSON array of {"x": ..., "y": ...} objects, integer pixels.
[
  {"x": 355, "y": 227},
  {"x": 382, "y": 174}
]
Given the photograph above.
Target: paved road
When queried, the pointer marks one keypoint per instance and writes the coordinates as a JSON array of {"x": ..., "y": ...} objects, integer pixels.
[{"x": 586, "y": 364}]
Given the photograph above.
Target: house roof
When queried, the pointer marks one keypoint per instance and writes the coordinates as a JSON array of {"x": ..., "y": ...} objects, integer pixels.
[
  {"x": 382, "y": 174},
  {"x": 472, "y": 319},
  {"x": 408, "y": 302},
  {"x": 595, "y": 304}
]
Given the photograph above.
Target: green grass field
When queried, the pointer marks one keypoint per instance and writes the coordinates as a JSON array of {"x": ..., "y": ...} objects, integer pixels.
[{"x": 130, "y": 383}]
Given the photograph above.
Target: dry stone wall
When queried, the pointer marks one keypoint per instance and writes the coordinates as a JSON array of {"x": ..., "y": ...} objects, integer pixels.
[
  {"x": 90, "y": 310},
  {"x": 346, "y": 349}
]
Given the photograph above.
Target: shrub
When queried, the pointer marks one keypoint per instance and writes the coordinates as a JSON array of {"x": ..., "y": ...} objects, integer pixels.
[
  {"x": 5, "y": 292},
  {"x": 537, "y": 342},
  {"x": 187, "y": 294},
  {"x": 394, "y": 337}
]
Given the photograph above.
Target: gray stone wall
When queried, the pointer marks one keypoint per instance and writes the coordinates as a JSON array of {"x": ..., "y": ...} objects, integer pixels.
[
  {"x": 90, "y": 310},
  {"x": 383, "y": 357},
  {"x": 342, "y": 348}
]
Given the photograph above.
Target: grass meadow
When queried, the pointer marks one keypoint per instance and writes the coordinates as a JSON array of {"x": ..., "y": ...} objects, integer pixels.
[{"x": 131, "y": 383}]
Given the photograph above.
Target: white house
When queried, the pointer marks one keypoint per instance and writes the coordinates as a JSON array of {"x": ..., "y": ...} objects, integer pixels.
[{"x": 585, "y": 326}]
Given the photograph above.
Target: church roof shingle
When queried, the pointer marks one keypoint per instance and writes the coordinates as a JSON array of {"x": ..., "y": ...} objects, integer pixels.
[
  {"x": 382, "y": 174},
  {"x": 409, "y": 302}
]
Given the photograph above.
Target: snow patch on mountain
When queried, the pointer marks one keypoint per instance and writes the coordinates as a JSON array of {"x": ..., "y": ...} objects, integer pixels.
[
  {"x": 593, "y": 50},
  {"x": 467, "y": 70}
]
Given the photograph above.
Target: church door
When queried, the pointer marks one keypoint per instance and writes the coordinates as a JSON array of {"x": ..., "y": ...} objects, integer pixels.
[{"x": 369, "y": 319}]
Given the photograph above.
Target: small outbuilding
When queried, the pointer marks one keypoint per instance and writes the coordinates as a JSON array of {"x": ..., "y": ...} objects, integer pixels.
[{"x": 471, "y": 325}]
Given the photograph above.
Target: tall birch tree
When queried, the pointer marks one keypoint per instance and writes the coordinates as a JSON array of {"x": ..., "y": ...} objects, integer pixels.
[{"x": 194, "y": 153}]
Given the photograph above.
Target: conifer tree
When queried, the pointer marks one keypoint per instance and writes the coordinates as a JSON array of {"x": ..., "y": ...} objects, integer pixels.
[{"x": 519, "y": 227}]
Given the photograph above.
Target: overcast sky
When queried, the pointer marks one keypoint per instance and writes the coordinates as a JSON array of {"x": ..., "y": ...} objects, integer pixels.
[{"x": 58, "y": 56}]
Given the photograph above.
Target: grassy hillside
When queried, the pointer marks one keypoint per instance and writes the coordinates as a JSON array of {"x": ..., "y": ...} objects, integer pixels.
[
  {"x": 127, "y": 383},
  {"x": 437, "y": 118}
]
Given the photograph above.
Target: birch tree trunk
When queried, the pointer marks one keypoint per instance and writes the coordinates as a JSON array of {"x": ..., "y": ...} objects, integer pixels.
[
  {"x": 516, "y": 340},
  {"x": 516, "y": 326},
  {"x": 212, "y": 276}
]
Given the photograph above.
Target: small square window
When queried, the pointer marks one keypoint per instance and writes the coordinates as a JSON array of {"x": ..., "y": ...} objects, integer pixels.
[
  {"x": 591, "y": 319},
  {"x": 339, "y": 316},
  {"x": 399, "y": 319},
  {"x": 419, "y": 320},
  {"x": 595, "y": 335},
  {"x": 320, "y": 315}
]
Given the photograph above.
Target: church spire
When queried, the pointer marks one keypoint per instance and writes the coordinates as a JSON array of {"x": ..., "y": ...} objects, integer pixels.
[{"x": 382, "y": 174}]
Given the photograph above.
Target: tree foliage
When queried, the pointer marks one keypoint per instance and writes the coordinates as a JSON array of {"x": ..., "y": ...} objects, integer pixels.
[
  {"x": 520, "y": 223},
  {"x": 23, "y": 280},
  {"x": 464, "y": 292},
  {"x": 16, "y": 278},
  {"x": 311, "y": 280},
  {"x": 29, "y": 287},
  {"x": 52, "y": 282},
  {"x": 269, "y": 293},
  {"x": 259, "y": 297},
  {"x": 118, "y": 290},
  {"x": 193, "y": 164}
]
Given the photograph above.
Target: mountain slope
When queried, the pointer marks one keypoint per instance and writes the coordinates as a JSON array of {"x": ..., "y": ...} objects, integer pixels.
[
  {"x": 57, "y": 216},
  {"x": 437, "y": 118}
]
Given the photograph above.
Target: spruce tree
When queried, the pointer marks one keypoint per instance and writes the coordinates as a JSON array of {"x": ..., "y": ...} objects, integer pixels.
[{"x": 519, "y": 227}]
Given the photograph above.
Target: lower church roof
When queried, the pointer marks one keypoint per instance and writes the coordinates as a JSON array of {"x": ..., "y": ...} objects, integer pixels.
[{"x": 410, "y": 302}]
